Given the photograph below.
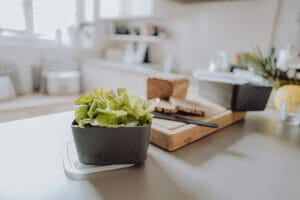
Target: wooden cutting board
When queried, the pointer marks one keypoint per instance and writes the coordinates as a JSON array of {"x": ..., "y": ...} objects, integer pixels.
[{"x": 171, "y": 135}]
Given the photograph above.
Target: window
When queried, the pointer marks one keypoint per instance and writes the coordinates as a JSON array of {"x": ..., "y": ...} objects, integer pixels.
[
  {"x": 12, "y": 15},
  {"x": 111, "y": 8},
  {"x": 50, "y": 16},
  {"x": 125, "y": 8},
  {"x": 89, "y": 10},
  {"x": 43, "y": 19}
]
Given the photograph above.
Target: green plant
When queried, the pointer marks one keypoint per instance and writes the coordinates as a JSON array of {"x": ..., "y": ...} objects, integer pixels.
[
  {"x": 83, "y": 27},
  {"x": 266, "y": 67}
]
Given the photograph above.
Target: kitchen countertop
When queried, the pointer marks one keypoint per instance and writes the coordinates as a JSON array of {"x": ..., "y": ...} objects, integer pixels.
[
  {"x": 35, "y": 104},
  {"x": 258, "y": 158},
  {"x": 35, "y": 100}
]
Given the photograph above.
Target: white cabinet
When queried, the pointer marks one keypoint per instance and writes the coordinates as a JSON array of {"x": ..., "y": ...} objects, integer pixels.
[
  {"x": 113, "y": 75},
  {"x": 125, "y": 8}
]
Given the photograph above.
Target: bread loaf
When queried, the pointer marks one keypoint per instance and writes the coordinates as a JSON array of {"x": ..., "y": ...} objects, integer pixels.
[{"x": 164, "y": 86}]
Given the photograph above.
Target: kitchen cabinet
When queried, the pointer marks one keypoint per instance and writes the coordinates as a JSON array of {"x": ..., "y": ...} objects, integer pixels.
[{"x": 113, "y": 75}]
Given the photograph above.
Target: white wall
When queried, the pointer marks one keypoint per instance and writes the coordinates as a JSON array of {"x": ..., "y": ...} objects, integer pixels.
[
  {"x": 288, "y": 29},
  {"x": 198, "y": 30},
  {"x": 24, "y": 58}
]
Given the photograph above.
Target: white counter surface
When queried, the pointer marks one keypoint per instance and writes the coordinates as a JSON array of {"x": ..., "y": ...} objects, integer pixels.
[{"x": 258, "y": 158}]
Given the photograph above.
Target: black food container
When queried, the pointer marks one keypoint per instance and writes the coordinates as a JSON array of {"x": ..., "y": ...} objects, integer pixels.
[
  {"x": 231, "y": 92},
  {"x": 107, "y": 146}
]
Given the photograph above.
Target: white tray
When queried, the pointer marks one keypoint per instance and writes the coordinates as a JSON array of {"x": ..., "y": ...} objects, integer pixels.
[{"x": 76, "y": 170}]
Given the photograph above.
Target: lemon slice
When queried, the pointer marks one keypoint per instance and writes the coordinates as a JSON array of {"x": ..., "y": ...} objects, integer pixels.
[{"x": 289, "y": 94}]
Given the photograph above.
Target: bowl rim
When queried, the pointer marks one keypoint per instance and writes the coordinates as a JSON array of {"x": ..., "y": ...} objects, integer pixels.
[{"x": 73, "y": 125}]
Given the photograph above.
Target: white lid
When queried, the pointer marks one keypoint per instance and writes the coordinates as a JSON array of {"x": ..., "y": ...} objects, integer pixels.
[
  {"x": 222, "y": 77},
  {"x": 76, "y": 170}
]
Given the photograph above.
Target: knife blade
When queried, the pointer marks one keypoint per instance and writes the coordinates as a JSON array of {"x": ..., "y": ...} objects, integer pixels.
[{"x": 181, "y": 119}]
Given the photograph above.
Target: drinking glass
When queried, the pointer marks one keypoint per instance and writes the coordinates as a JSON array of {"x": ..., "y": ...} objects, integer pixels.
[{"x": 290, "y": 113}]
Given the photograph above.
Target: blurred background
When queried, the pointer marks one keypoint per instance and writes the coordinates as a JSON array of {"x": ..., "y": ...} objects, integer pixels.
[{"x": 51, "y": 51}]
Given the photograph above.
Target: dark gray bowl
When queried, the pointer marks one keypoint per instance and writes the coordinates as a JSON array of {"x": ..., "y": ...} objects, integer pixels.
[
  {"x": 236, "y": 97},
  {"x": 106, "y": 146},
  {"x": 232, "y": 92}
]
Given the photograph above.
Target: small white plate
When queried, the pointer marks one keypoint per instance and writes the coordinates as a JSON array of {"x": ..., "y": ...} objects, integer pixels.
[{"x": 76, "y": 170}]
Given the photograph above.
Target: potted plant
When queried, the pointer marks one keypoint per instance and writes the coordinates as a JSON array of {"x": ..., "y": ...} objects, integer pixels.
[
  {"x": 112, "y": 128},
  {"x": 267, "y": 68},
  {"x": 287, "y": 85}
]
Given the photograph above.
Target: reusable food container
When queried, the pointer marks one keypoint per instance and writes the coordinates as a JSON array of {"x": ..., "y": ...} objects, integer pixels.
[
  {"x": 107, "y": 146},
  {"x": 62, "y": 83},
  {"x": 232, "y": 92},
  {"x": 76, "y": 170}
]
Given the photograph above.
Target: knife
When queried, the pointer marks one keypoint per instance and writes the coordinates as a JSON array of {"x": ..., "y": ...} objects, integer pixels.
[{"x": 181, "y": 119}]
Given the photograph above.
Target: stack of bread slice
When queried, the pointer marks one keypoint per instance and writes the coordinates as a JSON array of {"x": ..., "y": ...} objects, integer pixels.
[{"x": 168, "y": 93}]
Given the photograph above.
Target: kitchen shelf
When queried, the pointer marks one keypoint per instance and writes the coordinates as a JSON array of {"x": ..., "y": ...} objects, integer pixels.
[
  {"x": 135, "y": 38},
  {"x": 144, "y": 68}
]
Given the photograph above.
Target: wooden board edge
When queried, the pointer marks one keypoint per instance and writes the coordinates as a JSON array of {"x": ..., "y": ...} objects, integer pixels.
[
  {"x": 195, "y": 133},
  {"x": 159, "y": 138}
]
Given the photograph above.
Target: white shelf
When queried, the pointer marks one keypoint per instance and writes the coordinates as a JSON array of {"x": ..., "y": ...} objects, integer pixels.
[
  {"x": 135, "y": 38},
  {"x": 144, "y": 68}
]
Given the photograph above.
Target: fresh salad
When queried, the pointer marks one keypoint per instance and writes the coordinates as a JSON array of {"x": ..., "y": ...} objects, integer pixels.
[{"x": 104, "y": 108}]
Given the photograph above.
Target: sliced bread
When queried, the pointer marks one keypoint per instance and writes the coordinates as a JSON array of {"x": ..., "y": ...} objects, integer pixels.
[
  {"x": 164, "y": 106},
  {"x": 186, "y": 106}
]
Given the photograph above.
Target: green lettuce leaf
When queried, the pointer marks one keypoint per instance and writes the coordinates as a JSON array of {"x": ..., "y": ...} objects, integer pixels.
[
  {"x": 81, "y": 113},
  {"x": 97, "y": 102},
  {"x": 84, "y": 100},
  {"x": 107, "y": 109}
]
